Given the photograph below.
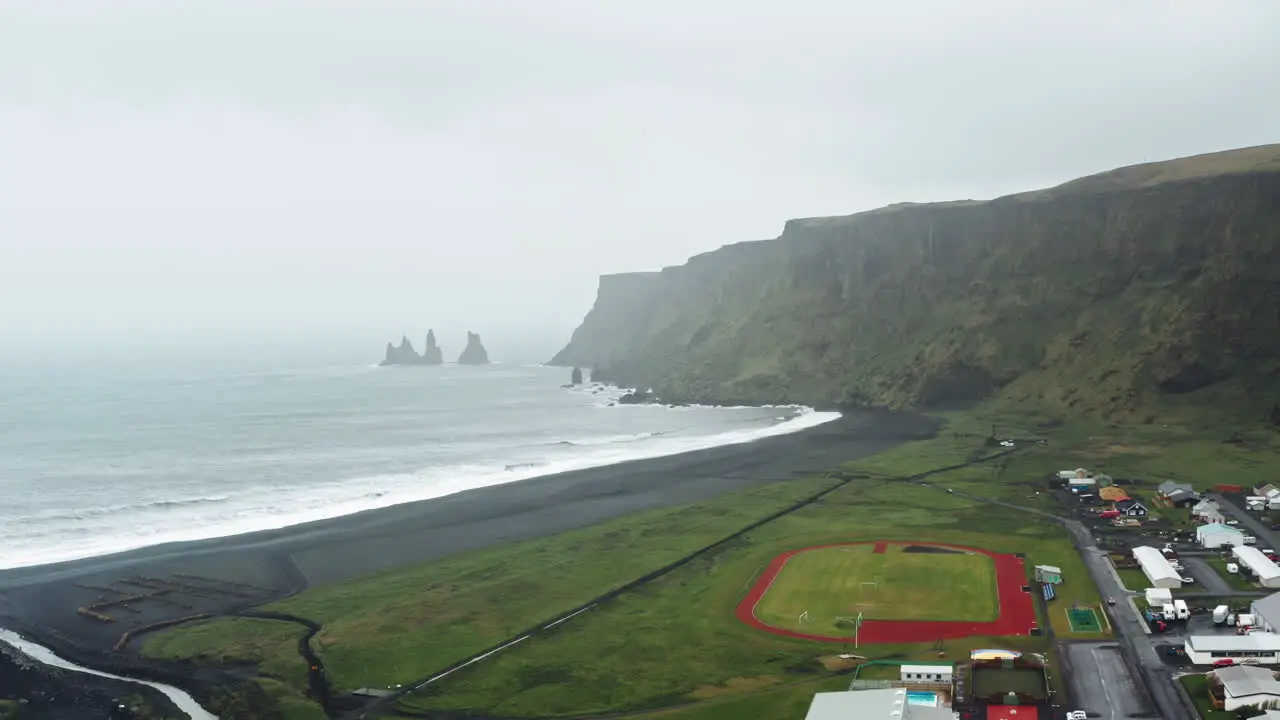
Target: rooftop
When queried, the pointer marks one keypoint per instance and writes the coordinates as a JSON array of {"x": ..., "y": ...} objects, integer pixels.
[
  {"x": 886, "y": 704},
  {"x": 1256, "y": 561},
  {"x": 1268, "y": 608},
  {"x": 1242, "y": 680},
  {"x": 1049, "y": 568},
  {"x": 1215, "y": 528},
  {"x": 1252, "y": 642}
]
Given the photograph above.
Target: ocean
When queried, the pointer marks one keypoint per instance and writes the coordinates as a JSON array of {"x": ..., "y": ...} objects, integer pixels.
[{"x": 110, "y": 452}]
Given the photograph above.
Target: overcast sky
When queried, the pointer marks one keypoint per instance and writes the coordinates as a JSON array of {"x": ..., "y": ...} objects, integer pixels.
[{"x": 388, "y": 167}]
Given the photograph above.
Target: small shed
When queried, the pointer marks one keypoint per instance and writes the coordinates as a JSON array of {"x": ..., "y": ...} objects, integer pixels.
[
  {"x": 1168, "y": 487},
  {"x": 1216, "y": 535},
  {"x": 1070, "y": 474},
  {"x": 1049, "y": 574},
  {"x": 1159, "y": 597},
  {"x": 927, "y": 673},
  {"x": 1182, "y": 498}
]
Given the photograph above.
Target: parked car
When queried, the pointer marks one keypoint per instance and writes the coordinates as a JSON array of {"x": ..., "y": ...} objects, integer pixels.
[
  {"x": 1188, "y": 580},
  {"x": 1233, "y": 522},
  {"x": 1224, "y": 662},
  {"x": 1077, "y": 715}
]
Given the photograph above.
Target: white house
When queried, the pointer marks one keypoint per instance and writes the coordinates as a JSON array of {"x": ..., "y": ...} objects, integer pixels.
[
  {"x": 1216, "y": 535},
  {"x": 1251, "y": 557},
  {"x": 927, "y": 673},
  {"x": 1069, "y": 474},
  {"x": 1157, "y": 568},
  {"x": 1260, "y": 648},
  {"x": 1266, "y": 612},
  {"x": 1244, "y": 685},
  {"x": 1159, "y": 597}
]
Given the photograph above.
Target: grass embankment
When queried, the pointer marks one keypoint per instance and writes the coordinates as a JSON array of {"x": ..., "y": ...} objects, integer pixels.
[
  {"x": 674, "y": 643},
  {"x": 1197, "y": 687},
  {"x": 836, "y": 582}
]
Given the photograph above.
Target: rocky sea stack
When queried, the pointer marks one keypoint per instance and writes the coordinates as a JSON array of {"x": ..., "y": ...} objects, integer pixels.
[
  {"x": 404, "y": 354},
  {"x": 474, "y": 353}
]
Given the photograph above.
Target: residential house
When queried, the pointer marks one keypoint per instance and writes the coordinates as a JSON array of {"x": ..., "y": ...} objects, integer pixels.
[
  {"x": 1208, "y": 511},
  {"x": 1245, "y": 685},
  {"x": 1131, "y": 508},
  {"x": 1168, "y": 487},
  {"x": 1267, "y": 491},
  {"x": 1216, "y": 535},
  {"x": 1182, "y": 498},
  {"x": 1113, "y": 493}
]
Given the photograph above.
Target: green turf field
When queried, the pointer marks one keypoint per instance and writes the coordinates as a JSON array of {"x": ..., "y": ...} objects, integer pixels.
[
  {"x": 1084, "y": 620},
  {"x": 831, "y": 583}
]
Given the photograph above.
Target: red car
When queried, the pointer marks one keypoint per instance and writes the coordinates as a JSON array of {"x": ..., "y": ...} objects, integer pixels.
[
  {"x": 1109, "y": 514},
  {"x": 1224, "y": 662}
]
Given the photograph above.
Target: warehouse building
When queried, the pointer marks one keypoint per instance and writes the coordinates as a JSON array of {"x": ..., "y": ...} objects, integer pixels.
[
  {"x": 1251, "y": 557},
  {"x": 880, "y": 704},
  {"x": 1266, "y": 612},
  {"x": 1157, "y": 568},
  {"x": 1256, "y": 648},
  {"x": 1216, "y": 535}
]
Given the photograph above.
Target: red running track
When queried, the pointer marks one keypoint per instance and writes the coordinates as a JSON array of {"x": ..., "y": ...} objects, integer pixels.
[{"x": 1017, "y": 614}]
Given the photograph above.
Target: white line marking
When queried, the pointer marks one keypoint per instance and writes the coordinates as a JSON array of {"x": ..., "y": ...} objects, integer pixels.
[
  {"x": 469, "y": 662},
  {"x": 569, "y": 617}
]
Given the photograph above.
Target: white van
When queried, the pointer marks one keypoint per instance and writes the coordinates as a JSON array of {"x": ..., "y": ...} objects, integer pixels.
[{"x": 1250, "y": 540}]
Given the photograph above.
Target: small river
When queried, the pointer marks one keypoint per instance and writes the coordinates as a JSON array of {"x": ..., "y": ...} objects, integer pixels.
[{"x": 185, "y": 702}]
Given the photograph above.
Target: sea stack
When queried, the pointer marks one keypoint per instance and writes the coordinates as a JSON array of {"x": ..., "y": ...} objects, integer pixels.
[
  {"x": 474, "y": 353},
  {"x": 432, "y": 354},
  {"x": 404, "y": 354},
  {"x": 576, "y": 376}
]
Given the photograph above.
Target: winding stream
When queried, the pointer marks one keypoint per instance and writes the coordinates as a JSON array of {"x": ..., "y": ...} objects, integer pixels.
[{"x": 185, "y": 702}]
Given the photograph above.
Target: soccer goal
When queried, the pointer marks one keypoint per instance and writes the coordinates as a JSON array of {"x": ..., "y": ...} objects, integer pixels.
[
  {"x": 804, "y": 618},
  {"x": 867, "y": 592}
]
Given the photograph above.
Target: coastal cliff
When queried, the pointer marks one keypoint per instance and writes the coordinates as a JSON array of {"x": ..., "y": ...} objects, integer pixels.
[{"x": 1116, "y": 295}]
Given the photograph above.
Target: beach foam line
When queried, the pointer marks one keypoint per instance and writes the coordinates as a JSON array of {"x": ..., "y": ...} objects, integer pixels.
[{"x": 285, "y": 507}]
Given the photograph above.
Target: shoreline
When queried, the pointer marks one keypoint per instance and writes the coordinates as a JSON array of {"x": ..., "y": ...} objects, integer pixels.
[{"x": 254, "y": 568}]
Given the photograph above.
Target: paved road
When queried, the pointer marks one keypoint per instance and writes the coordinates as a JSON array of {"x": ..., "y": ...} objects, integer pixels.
[
  {"x": 1100, "y": 682},
  {"x": 1209, "y": 579}
]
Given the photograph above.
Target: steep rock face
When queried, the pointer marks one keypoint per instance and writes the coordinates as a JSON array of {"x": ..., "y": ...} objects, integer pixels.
[
  {"x": 432, "y": 354},
  {"x": 1109, "y": 295},
  {"x": 403, "y": 354},
  {"x": 474, "y": 353}
]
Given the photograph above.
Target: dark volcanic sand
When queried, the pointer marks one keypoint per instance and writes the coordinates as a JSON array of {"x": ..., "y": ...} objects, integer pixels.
[{"x": 41, "y": 601}]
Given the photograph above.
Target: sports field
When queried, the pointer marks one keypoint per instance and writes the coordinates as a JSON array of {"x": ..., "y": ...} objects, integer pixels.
[{"x": 883, "y": 582}]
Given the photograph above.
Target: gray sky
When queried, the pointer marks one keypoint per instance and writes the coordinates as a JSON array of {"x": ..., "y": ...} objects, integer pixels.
[{"x": 386, "y": 167}]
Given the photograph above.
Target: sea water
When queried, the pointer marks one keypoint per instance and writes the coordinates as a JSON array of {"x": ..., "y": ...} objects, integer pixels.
[{"x": 117, "y": 449}]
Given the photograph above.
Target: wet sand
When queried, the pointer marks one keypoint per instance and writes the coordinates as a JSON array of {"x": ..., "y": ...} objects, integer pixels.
[{"x": 229, "y": 574}]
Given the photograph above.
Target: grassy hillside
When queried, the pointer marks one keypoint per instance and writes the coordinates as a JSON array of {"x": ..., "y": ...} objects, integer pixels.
[{"x": 1133, "y": 295}]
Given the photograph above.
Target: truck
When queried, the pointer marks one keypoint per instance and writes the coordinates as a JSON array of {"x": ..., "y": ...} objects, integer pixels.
[
  {"x": 1233, "y": 568},
  {"x": 1244, "y": 620},
  {"x": 1170, "y": 612},
  {"x": 1220, "y": 614},
  {"x": 1181, "y": 609},
  {"x": 1250, "y": 540}
]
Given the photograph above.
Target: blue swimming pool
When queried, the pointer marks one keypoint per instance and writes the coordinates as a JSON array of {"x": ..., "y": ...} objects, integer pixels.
[{"x": 919, "y": 697}]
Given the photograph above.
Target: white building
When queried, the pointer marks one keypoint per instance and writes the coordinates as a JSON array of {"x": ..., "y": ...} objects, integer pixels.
[
  {"x": 1268, "y": 715},
  {"x": 1252, "y": 558},
  {"x": 927, "y": 673},
  {"x": 1159, "y": 597},
  {"x": 884, "y": 704},
  {"x": 1260, "y": 648},
  {"x": 1157, "y": 568},
  {"x": 1244, "y": 685},
  {"x": 1266, "y": 612},
  {"x": 1216, "y": 535}
]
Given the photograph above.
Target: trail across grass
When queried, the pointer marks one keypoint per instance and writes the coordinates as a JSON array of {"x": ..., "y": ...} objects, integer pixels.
[{"x": 841, "y": 582}]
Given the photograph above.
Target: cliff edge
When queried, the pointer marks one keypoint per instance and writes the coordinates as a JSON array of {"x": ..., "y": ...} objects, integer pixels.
[{"x": 1120, "y": 295}]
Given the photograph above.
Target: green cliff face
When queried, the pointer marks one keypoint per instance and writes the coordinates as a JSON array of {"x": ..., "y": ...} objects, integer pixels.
[{"x": 1121, "y": 295}]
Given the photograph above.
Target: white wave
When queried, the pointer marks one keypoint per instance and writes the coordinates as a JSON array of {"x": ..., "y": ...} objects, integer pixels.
[{"x": 271, "y": 508}]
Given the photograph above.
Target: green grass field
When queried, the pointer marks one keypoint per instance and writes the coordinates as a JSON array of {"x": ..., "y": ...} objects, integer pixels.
[
  {"x": 832, "y": 583},
  {"x": 673, "y": 648}
]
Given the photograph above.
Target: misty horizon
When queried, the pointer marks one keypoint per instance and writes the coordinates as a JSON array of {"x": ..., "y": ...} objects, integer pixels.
[{"x": 373, "y": 171}]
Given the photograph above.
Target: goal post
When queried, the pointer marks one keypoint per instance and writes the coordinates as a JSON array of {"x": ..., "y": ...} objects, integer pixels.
[{"x": 804, "y": 618}]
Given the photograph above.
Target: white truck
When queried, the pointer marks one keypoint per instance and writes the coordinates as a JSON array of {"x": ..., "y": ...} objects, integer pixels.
[
  {"x": 1220, "y": 614},
  {"x": 1233, "y": 568},
  {"x": 1170, "y": 611},
  {"x": 1180, "y": 608},
  {"x": 1250, "y": 540}
]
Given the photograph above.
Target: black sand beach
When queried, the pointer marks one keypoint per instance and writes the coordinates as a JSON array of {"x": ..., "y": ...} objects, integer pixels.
[{"x": 165, "y": 583}]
